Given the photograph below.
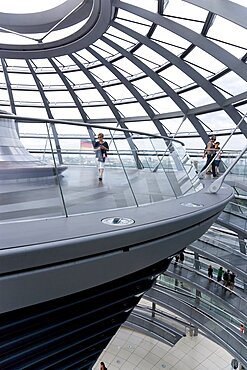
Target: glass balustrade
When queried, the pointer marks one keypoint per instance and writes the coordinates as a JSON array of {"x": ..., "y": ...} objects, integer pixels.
[
  {"x": 60, "y": 180},
  {"x": 205, "y": 302},
  {"x": 238, "y": 172}
]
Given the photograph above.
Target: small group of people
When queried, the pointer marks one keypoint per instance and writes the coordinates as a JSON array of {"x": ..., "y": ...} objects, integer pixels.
[
  {"x": 227, "y": 276},
  {"x": 212, "y": 148}
]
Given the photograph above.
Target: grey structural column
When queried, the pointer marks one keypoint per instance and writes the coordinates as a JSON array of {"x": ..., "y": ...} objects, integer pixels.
[
  {"x": 48, "y": 111},
  {"x": 113, "y": 108}
]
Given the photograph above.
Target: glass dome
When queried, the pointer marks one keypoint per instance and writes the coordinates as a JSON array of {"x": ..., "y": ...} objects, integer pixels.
[{"x": 173, "y": 67}]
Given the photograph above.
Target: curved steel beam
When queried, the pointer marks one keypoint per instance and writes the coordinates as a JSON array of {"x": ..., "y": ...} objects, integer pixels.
[
  {"x": 91, "y": 31},
  {"x": 226, "y": 9},
  {"x": 208, "y": 46},
  {"x": 43, "y": 21},
  {"x": 188, "y": 70},
  {"x": 132, "y": 89},
  {"x": 109, "y": 102},
  {"x": 161, "y": 83},
  {"x": 48, "y": 111}
]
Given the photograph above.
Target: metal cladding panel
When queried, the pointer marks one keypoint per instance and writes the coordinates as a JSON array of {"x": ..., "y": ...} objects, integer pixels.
[{"x": 71, "y": 331}]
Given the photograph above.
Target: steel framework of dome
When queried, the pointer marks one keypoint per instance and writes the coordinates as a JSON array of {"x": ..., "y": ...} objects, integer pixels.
[
  {"x": 130, "y": 65},
  {"x": 172, "y": 68}
]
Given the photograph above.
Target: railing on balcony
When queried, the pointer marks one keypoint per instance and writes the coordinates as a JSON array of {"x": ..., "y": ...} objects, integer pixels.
[{"x": 129, "y": 180}]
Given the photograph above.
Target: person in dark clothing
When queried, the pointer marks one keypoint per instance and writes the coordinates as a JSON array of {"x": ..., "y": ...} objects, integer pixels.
[
  {"x": 102, "y": 366},
  {"x": 101, "y": 147},
  {"x": 176, "y": 260},
  {"x": 181, "y": 257},
  {"x": 226, "y": 278},
  {"x": 210, "y": 153},
  {"x": 210, "y": 272},
  {"x": 232, "y": 280}
]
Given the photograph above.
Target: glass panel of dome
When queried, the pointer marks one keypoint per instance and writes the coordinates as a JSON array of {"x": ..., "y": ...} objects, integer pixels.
[
  {"x": 89, "y": 96},
  {"x": 193, "y": 25},
  {"x": 197, "y": 97},
  {"x": 4, "y": 96},
  {"x": 147, "y": 86},
  {"x": 139, "y": 23},
  {"x": 235, "y": 50},
  {"x": 147, "y": 126},
  {"x": 175, "y": 75},
  {"x": 150, "y": 5},
  {"x": 131, "y": 110},
  {"x": 31, "y": 128},
  {"x": 165, "y": 104},
  {"x": 58, "y": 97},
  {"x": 65, "y": 113},
  {"x": 149, "y": 57},
  {"x": 78, "y": 78},
  {"x": 233, "y": 33},
  {"x": 28, "y": 6},
  {"x": 172, "y": 42},
  {"x": 27, "y": 97},
  {"x": 35, "y": 112},
  {"x": 126, "y": 67},
  {"x": 217, "y": 121},
  {"x": 118, "y": 92},
  {"x": 99, "y": 112},
  {"x": 178, "y": 8},
  {"x": 71, "y": 130},
  {"x": 50, "y": 80},
  {"x": 15, "y": 63},
  {"x": 103, "y": 49},
  {"x": 203, "y": 59},
  {"x": 64, "y": 62},
  {"x": 21, "y": 79},
  {"x": 171, "y": 124},
  {"x": 116, "y": 36},
  {"x": 102, "y": 74},
  {"x": 231, "y": 83},
  {"x": 85, "y": 56},
  {"x": 41, "y": 63}
]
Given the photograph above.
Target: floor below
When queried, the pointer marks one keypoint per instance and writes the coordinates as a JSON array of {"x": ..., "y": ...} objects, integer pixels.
[{"x": 129, "y": 350}]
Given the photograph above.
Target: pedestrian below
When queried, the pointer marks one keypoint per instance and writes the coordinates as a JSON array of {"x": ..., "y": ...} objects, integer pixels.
[
  {"x": 220, "y": 274},
  {"x": 226, "y": 278},
  {"x": 232, "y": 281},
  {"x": 101, "y": 148},
  {"x": 218, "y": 159},
  {"x": 102, "y": 366},
  {"x": 210, "y": 272},
  {"x": 176, "y": 260},
  {"x": 242, "y": 328},
  {"x": 181, "y": 257},
  {"x": 210, "y": 153}
]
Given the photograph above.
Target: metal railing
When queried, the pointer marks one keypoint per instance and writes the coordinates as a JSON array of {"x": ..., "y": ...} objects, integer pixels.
[{"x": 129, "y": 179}]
